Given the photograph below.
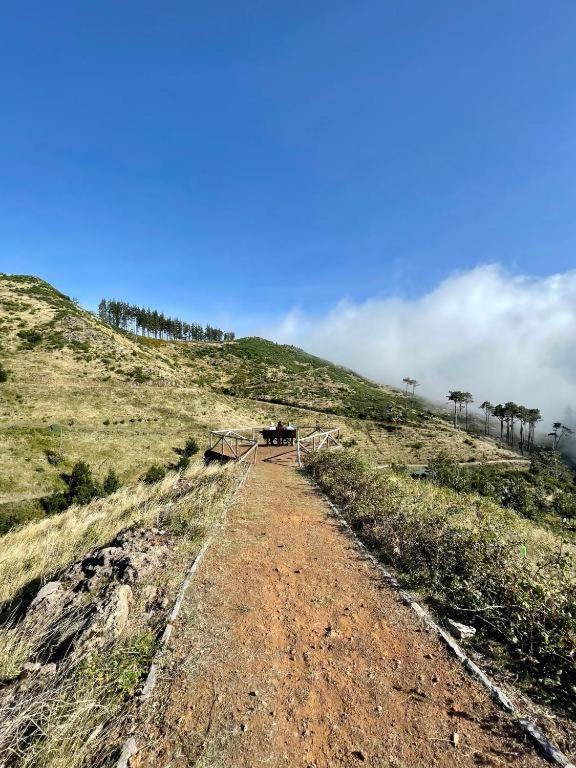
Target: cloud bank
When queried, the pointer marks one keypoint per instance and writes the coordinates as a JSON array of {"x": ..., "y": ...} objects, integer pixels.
[{"x": 499, "y": 336}]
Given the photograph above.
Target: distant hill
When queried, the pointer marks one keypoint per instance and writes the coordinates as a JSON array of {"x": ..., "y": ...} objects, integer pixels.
[{"x": 79, "y": 387}]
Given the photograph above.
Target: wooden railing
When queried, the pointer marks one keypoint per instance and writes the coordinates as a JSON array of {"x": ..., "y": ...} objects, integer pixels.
[
  {"x": 241, "y": 444},
  {"x": 241, "y": 447},
  {"x": 317, "y": 440}
]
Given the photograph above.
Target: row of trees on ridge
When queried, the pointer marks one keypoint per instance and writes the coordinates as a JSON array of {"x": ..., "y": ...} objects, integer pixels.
[
  {"x": 150, "y": 322},
  {"x": 517, "y": 422}
]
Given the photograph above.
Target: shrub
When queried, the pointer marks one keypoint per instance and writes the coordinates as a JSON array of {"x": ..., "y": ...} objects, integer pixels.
[
  {"x": 139, "y": 375},
  {"x": 191, "y": 447},
  {"x": 111, "y": 483},
  {"x": 31, "y": 336},
  {"x": 55, "y": 503},
  {"x": 81, "y": 486},
  {"x": 3, "y": 374},
  {"x": 81, "y": 489},
  {"x": 154, "y": 474},
  {"x": 183, "y": 463}
]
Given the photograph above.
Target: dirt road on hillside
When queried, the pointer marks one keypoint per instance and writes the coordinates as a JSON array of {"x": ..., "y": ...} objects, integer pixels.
[{"x": 292, "y": 652}]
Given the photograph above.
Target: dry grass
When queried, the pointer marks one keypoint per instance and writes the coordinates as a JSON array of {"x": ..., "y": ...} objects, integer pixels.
[
  {"x": 58, "y": 724},
  {"x": 81, "y": 389},
  {"x": 41, "y": 548}
]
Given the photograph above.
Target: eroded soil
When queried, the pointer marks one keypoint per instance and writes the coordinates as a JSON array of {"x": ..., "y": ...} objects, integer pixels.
[{"x": 292, "y": 652}]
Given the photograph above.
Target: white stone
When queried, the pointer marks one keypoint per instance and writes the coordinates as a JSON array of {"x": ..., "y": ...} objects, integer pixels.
[{"x": 462, "y": 631}]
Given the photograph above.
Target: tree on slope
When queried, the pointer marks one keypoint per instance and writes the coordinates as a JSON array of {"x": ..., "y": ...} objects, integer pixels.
[
  {"x": 533, "y": 418},
  {"x": 559, "y": 432},
  {"x": 500, "y": 414},
  {"x": 407, "y": 380},
  {"x": 488, "y": 409},
  {"x": 466, "y": 399},
  {"x": 455, "y": 396},
  {"x": 512, "y": 414},
  {"x": 414, "y": 384}
]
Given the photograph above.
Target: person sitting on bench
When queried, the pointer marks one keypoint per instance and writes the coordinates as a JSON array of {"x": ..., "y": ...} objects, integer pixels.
[{"x": 280, "y": 433}]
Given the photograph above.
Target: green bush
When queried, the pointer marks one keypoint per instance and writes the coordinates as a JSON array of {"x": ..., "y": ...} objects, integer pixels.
[
  {"x": 81, "y": 486},
  {"x": 154, "y": 474},
  {"x": 31, "y": 336},
  {"x": 191, "y": 447},
  {"x": 470, "y": 556},
  {"x": 3, "y": 374},
  {"x": 111, "y": 483},
  {"x": 139, "y": 375},
  {"x": 546, "y": 493},
  {"x": 183, "y": 463}
]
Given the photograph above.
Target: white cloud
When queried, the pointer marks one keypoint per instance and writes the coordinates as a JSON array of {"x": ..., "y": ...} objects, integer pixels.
[{"x": 498, "y": 336}]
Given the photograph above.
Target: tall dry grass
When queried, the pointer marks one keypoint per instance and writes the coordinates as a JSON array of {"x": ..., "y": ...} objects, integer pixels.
[
  {"x": 76, "y": 718},
  {"x": 41, "y": 548}
]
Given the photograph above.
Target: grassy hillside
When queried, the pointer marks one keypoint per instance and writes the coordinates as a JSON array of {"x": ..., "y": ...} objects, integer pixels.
[{"x": 83, "y": 389}]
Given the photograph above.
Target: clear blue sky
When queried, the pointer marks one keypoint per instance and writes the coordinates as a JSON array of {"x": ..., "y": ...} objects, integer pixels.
[{"x": 207, "y": 157}]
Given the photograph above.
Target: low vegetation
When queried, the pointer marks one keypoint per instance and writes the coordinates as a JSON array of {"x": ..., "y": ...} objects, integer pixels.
[
  {"x": 546, "y": 493},
  {"x": 76, "y": 712},
  {"x": 36, "y": 551},
  {"x": 475, "y": 560},
  {"x": 80, "y": 487}
]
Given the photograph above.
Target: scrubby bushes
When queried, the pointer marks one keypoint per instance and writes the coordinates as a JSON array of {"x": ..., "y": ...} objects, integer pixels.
[
  {"x": 31, "y": 336},
  {"x": 81, "y": 488},
  {"x": 53, "y": 457},
  {"x": 157, "y": 473},
  {"x": 3, "y": 374},
  {"x": 154, "y": 474},
  {"x": 191, "y": 447},
  {"x": 476, "y": 561},
  {"x": 111, "y": 483},
  {"x": 546, "y": 492}
]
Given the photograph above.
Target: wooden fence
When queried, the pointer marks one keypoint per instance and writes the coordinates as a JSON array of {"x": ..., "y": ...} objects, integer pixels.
[
  {"x": 317, "y": 440},
  {"x": 241, "y": 448},
  {"x": 241, "y": 444}
]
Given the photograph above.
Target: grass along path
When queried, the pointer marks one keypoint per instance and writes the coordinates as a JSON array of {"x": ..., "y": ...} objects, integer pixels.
[{"x": 292, "y": 652}]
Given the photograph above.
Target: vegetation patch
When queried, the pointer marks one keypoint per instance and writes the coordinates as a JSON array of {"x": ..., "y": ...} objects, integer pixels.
[
  {"x": 476, "y": 561},
  {"x": 546, "y": 493}
]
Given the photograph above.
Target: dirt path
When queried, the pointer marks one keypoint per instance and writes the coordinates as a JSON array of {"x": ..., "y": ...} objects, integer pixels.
[{"x": 291, "y": 652}]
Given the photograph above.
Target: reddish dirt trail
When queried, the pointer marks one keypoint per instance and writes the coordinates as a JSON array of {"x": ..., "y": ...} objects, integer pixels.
[{"x": 292, "y": 652}]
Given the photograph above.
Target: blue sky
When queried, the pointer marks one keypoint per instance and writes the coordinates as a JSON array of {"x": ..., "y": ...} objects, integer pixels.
[{"x": 228, "y": 161}]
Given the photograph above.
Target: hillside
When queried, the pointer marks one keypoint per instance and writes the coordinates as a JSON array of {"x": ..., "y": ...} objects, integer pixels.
[
  {"x": 340, "y": 671},
  {"x": 83, "y": 389}
]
